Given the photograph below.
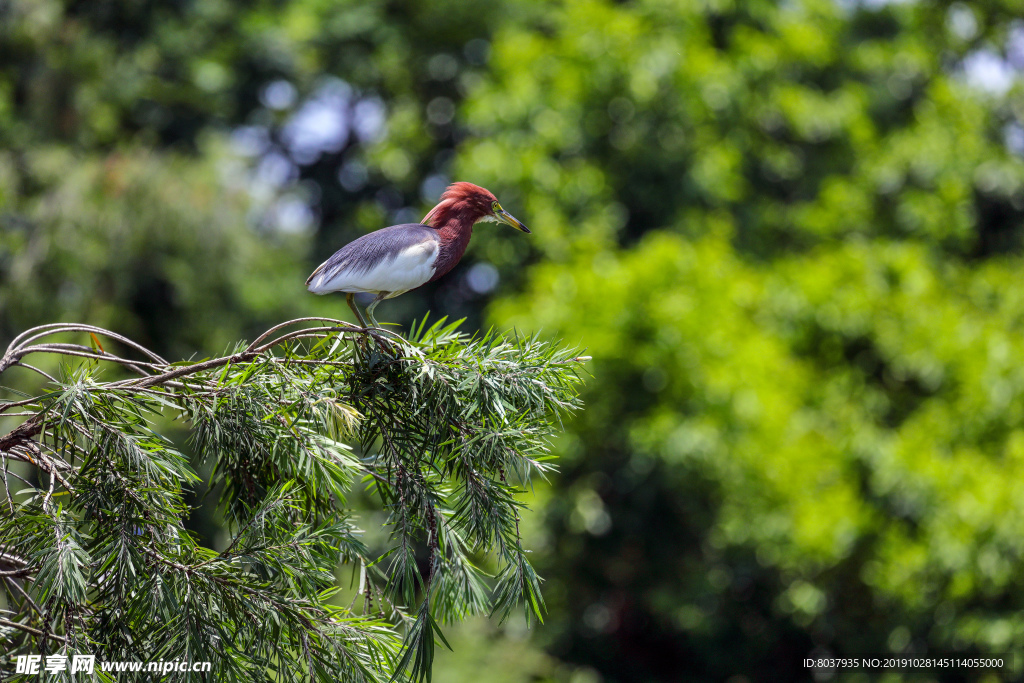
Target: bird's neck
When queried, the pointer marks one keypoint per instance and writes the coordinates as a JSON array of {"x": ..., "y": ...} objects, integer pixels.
[
  {"x": 454, "y": 236},
  {"x": 454, "y": 221}
]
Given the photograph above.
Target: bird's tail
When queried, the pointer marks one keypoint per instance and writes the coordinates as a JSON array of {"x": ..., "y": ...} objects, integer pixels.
[{"x": 315, "y": 273}]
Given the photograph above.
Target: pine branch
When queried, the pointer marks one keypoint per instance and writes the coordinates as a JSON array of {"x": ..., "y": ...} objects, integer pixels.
[{"x": 448, "y": 429}]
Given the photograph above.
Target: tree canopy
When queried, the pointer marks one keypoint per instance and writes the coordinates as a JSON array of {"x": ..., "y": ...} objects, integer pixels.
[{"x": 97, "y": 557}]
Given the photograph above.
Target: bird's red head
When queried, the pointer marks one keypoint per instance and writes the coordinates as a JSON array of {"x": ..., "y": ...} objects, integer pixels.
[{"x": 463, "y": 204}]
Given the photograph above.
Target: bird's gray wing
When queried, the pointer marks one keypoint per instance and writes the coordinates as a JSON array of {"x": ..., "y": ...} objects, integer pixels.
[{"x": 380, "y": 246}]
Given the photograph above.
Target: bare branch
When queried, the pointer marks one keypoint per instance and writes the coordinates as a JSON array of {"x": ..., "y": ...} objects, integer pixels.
[
  {"x": 35, "y": 369},
  {"x": 4, "y": 407},
  {"x": 34, "y": 631},
  {"x": 21, "y": 434},
  {"x": 42, "y": 331}
]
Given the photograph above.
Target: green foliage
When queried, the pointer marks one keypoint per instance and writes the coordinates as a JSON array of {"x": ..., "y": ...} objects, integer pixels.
[
  {"x": 796, "y": 126},
  {"x": 863, "y": 406},
  {"x": 155, "y": 246},
  {"x": 790, "y": 232},
  {"x": 97, "y": 557}
]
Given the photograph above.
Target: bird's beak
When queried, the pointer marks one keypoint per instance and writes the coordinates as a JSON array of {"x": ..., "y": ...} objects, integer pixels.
[{"x": 508, "y": 219}]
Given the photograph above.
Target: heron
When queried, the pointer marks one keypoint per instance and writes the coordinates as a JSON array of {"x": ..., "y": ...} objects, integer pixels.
[{"x": 396, "y": 259}]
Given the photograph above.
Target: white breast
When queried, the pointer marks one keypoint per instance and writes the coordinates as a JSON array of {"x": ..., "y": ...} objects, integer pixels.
[{"x": 410, "y": 268}]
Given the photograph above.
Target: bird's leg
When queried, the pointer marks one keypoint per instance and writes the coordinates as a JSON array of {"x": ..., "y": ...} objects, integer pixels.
[
  {"x": 373, "y": 304},
  {"x": 351, "y": 299}
]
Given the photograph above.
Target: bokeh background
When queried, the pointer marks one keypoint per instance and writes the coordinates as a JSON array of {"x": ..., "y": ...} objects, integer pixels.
[{"x": 789, "y": 233}]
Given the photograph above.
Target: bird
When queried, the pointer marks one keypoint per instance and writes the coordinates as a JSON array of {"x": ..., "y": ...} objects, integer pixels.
[{"x": 396, "y": 259}]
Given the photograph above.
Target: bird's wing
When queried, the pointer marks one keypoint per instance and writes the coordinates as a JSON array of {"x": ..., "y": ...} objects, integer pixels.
[{"x": 397, "y": 258}]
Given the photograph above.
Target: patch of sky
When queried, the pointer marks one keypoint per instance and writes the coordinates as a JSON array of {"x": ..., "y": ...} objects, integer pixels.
[
  {"x": 961, "y": 22},
  {"x": 432, "y": 187},
  {"x": 326, "y": 121},
  {"x": 278, "y": 95},
  {"x": 988, "y": 71},
  {"x": 250, "y": 141},
  {"x": 872, "y": 5},
  {"x": 482, "y": 278},
  {"x": 321, "y": 124},
  {"x": 353, "y": 175},
  {"x": 292, "y": 215},
  {"x": 406, "y": 214},
  {"x": 1013, "y": 136},
  {"x": 369, "y": 116},
  {"x": 1015, "y": 46}
]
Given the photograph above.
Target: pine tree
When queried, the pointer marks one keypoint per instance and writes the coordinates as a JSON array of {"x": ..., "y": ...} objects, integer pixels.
[{"x": 444, "y": 430}]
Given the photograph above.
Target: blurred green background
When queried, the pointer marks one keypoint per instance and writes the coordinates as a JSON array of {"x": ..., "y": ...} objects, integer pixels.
[{"x": 789, "y": 233}]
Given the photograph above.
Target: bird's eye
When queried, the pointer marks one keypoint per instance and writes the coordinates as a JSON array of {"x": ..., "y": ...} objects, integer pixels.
[{"x": 495, "y": 207}]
